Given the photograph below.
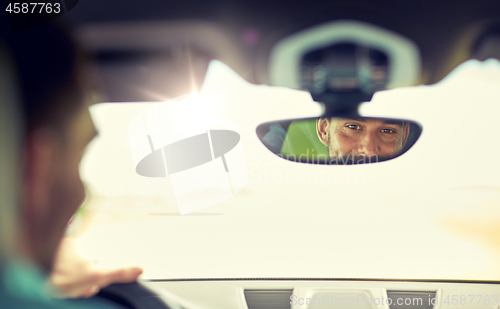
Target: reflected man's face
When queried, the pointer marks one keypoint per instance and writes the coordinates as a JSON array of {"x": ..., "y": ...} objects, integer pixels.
[{"x": 357, "y": 138}]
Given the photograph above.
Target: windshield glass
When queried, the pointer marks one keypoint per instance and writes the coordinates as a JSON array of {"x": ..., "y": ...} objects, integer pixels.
[{"x": 233, "y": 209}]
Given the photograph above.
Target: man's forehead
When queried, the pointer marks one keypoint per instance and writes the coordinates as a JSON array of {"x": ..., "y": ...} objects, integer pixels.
[
  {"x": 381, "y": 121},
  {"x": 396, "y": 122}
]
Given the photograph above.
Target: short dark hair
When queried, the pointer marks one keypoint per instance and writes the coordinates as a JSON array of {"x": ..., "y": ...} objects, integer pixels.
[{"x": 48, "y": 63}]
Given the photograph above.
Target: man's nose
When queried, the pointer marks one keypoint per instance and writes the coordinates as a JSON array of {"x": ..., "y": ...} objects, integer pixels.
[{"x": 369, "y": 145}]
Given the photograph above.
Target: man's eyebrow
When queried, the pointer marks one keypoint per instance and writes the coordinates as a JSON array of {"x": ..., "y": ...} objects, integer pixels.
[{"x": 92, "y": 135}]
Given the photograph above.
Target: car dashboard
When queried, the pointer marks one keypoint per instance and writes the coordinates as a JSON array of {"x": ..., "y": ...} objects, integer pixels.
[{"x": 283, "y": 293}]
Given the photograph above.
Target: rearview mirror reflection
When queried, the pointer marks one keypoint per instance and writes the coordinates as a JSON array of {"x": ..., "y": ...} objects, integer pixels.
[{"x": 335, "y": 140}]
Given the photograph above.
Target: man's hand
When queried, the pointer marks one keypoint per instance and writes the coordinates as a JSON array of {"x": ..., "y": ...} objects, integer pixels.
[{"x": 74, "y": 276}]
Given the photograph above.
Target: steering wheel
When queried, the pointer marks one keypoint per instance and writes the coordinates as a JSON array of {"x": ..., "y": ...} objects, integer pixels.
[{"x": 131, "y": 296}]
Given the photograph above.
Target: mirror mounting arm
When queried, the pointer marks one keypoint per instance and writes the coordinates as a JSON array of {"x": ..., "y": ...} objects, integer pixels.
[{"x": 342, "y": 105}]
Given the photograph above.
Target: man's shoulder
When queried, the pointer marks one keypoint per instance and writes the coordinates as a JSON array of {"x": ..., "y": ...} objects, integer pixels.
[{"x": 14, "y": 302}]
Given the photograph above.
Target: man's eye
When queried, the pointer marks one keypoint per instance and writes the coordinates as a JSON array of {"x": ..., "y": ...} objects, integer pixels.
[
  {"x": 390, "y": 131},
  {"x": 353, "y": 126}
]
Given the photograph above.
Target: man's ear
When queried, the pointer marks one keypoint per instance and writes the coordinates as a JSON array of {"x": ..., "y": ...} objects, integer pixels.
[
  {"x": 322, "y": 127},
  {"x": 39, "y": 159},
  {"x": 406, "y": 133}
]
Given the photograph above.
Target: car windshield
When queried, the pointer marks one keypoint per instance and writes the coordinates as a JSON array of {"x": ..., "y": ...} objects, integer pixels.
[{"x": 407, "y": 218}]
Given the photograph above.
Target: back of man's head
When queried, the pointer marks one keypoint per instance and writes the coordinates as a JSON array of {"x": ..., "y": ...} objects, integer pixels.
[
  {"x": 49, "y": 72},
  {"x": 47, "y": 62},
  {"x": 10, "y": 129}
]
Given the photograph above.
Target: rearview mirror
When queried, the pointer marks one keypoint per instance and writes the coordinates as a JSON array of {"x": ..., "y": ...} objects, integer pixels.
[{"x": 336, "y": 140}]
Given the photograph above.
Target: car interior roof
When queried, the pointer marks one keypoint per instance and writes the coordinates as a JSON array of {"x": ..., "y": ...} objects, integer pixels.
[{"x": 446, "y": 34}]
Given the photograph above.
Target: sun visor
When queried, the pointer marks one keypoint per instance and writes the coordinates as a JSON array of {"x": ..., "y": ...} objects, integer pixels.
[{"x": 139, "y": 62}]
